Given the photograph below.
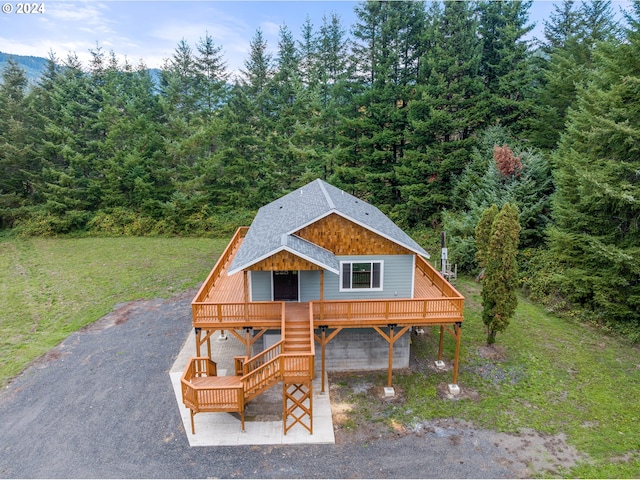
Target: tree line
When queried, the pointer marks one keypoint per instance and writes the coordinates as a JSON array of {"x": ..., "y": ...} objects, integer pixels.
[{"x": 431, "y": 111}]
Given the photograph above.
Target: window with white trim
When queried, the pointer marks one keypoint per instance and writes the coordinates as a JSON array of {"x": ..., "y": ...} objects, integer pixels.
[{"x": 361, "y": 275}]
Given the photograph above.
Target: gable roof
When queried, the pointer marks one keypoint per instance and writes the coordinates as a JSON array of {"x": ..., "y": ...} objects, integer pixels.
[{"x": 273, "y": 228}]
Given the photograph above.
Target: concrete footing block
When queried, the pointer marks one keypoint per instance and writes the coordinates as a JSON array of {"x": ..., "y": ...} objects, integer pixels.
[
  {"x": 454, "y": 389},
  {"x": 439, "y": 364},
  {"x": 389, "y": 392}
]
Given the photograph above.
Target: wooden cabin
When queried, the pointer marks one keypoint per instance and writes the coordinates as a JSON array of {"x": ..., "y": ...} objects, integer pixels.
[{"x": 315, "y": 266}]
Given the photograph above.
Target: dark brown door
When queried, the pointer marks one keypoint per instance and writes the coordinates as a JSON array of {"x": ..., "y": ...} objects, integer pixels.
[{"x": 285, "y": 286}]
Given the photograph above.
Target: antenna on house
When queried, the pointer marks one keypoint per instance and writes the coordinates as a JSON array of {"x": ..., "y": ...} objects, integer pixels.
[
  {"x": 445, "y": 253},
  {"x": 445, "y": 266}
]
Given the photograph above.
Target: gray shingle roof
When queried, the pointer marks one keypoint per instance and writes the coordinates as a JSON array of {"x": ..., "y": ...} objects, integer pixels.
[{"x": 272, "y": 228}]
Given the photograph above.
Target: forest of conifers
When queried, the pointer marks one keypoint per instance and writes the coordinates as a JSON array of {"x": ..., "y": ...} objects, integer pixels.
[{"x": 432, "y": 112}]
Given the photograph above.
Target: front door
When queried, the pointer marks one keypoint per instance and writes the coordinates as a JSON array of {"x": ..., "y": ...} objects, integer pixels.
[{"x": 285, "y": 285}]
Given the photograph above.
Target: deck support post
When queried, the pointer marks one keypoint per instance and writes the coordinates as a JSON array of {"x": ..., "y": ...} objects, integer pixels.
[
  {"x": 323, "y": 340},
  {"x": 198, "y": 335},
  {"x": 458, "y": 331},
  {"x": 323, "y": 343},
  {"x": 247, "y": 331},
  {"x": 391, "y": 338},
  {"x": 391, "y": 342}
]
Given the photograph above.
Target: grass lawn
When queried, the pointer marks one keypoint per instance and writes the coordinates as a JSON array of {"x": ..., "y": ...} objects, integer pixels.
[
  {"x": 51, "y": 287},
  {"x": 548, "y": 374},
  {"x": 552, "y": 375}
]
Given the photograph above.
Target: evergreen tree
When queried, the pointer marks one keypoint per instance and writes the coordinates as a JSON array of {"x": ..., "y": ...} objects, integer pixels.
[
  {"x": 16, "y": 143},
  {"x": 211, "y": 76},
  {"x": 563, "y": 25},
  {"x": 501, "y": 171},
  {"x": 386, "y": 60},
  {"x": 70, "y": 151},
  {"x": 285, "y": 109},
  {"x": 595, "y": 238},
  {"x": 483, "y": 234},
  {"x": 499, "y": 300},
  {"x": 258, "y": 71},
  {"x": 505, "y": 66},
  {"x": 452, "y": 107},
  {"x": 571, "y": 38}
]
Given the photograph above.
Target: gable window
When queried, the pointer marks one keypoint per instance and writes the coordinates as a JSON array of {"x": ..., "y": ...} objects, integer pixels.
[{"x": 361, "y": 275}]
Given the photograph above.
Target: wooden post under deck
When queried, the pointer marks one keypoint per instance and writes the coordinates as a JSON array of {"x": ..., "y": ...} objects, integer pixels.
[
  {"x": 198, "y": 335},
  {"x": 458, "y": 330},
  {"x": 323, "y": 340},
  {"x": 391, "y": 338},
  {"x": 391, "y": 342}
]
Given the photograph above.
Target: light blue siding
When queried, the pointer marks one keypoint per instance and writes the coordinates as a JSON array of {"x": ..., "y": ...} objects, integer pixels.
[
  {"x": 397, "y": 279},
  {"x": 310, "y": 285},
  {"x": 260, "y": 286}
]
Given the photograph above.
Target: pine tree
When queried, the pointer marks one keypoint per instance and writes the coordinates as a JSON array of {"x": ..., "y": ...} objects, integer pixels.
[
  {"x": 483, "y": 235},
  {"x": 505, "y": 66},
  {"x": 595, "y": 239},
  {"x": 570, "y": 41},
  {"x": 386, "y": 56},
  {"x": 451, "y": 109},
  {"x": 17, "y": 137},
  {"x": 499, "y": 300}
]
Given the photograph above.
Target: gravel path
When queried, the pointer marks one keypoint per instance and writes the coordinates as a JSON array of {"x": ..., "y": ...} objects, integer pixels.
[{"x": 100, "y": 405}]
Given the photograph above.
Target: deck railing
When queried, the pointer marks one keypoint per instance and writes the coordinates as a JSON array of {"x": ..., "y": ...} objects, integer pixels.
[
  {"x": 368, "y": 312},
  {"x": 256, "y": 313},
  {"x": 437, "y": 280},
  {"x": 220, "y": 264}
]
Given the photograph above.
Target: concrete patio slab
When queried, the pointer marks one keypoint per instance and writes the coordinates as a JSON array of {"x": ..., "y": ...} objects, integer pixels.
[{"x": 263, "y": 415}]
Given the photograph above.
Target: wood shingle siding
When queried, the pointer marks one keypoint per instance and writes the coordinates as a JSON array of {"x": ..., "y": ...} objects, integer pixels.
[{"x": 344, "y": 237}]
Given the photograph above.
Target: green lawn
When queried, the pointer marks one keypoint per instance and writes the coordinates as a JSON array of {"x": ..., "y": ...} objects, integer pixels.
[
  {"x": 556, "y": 376},
  {"x": 51, "y": 287}
]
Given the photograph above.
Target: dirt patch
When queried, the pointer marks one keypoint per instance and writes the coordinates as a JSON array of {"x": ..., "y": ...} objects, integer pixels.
[
  {"x": 492, "y": 352},
  {"x": 120, "y": 314},
  {"x": 525, "y": 454}
]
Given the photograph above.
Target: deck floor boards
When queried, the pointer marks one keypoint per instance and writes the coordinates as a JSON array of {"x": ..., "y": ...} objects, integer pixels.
[{"x": 230, "y": 288}]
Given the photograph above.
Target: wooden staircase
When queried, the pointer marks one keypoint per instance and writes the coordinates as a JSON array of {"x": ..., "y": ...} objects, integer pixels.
[
  {"x": 297, "y": 335},
  {"x": 290, "y": 361}
]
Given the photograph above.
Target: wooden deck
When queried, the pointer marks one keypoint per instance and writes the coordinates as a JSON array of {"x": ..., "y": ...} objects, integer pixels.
[
  {"x": 230, "y": 288},
  {"x": 221, "y": 302}
]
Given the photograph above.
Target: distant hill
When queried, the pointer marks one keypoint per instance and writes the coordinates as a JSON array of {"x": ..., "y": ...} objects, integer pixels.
[{"x": 33, "y": 66}]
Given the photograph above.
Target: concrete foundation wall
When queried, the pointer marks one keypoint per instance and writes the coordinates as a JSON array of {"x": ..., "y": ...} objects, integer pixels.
[
  {"x": 363, "y": 349},
  {"x": 353, "y": 349}
]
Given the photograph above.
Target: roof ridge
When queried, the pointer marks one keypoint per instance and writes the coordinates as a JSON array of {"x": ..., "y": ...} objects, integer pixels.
[{"x": 327, "y": 197}]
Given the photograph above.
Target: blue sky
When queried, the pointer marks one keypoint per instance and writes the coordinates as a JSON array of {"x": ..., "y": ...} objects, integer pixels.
[{"x": 151, "y": 29}]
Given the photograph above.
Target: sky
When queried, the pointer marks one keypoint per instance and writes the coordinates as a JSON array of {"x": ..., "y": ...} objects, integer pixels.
[{"x": 151, "y": 29}]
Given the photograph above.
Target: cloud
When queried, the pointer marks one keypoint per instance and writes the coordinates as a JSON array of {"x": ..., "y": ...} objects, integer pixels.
[{"x": 77, "y": 13}]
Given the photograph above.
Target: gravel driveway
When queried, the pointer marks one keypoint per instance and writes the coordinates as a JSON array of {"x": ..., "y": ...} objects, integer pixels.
[{"x": 101, "y": 405}]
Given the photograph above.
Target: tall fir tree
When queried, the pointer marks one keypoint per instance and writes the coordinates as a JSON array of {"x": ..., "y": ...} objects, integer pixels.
[
  {"x": 386, "y": 55},
  {"x": 17, "y": 139},
  {"x": 505, "y": 66},
  {"x": 444, "y": 120},
  {"x": 571, "y": 37},
  {"x": 595, "y": 238}
]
